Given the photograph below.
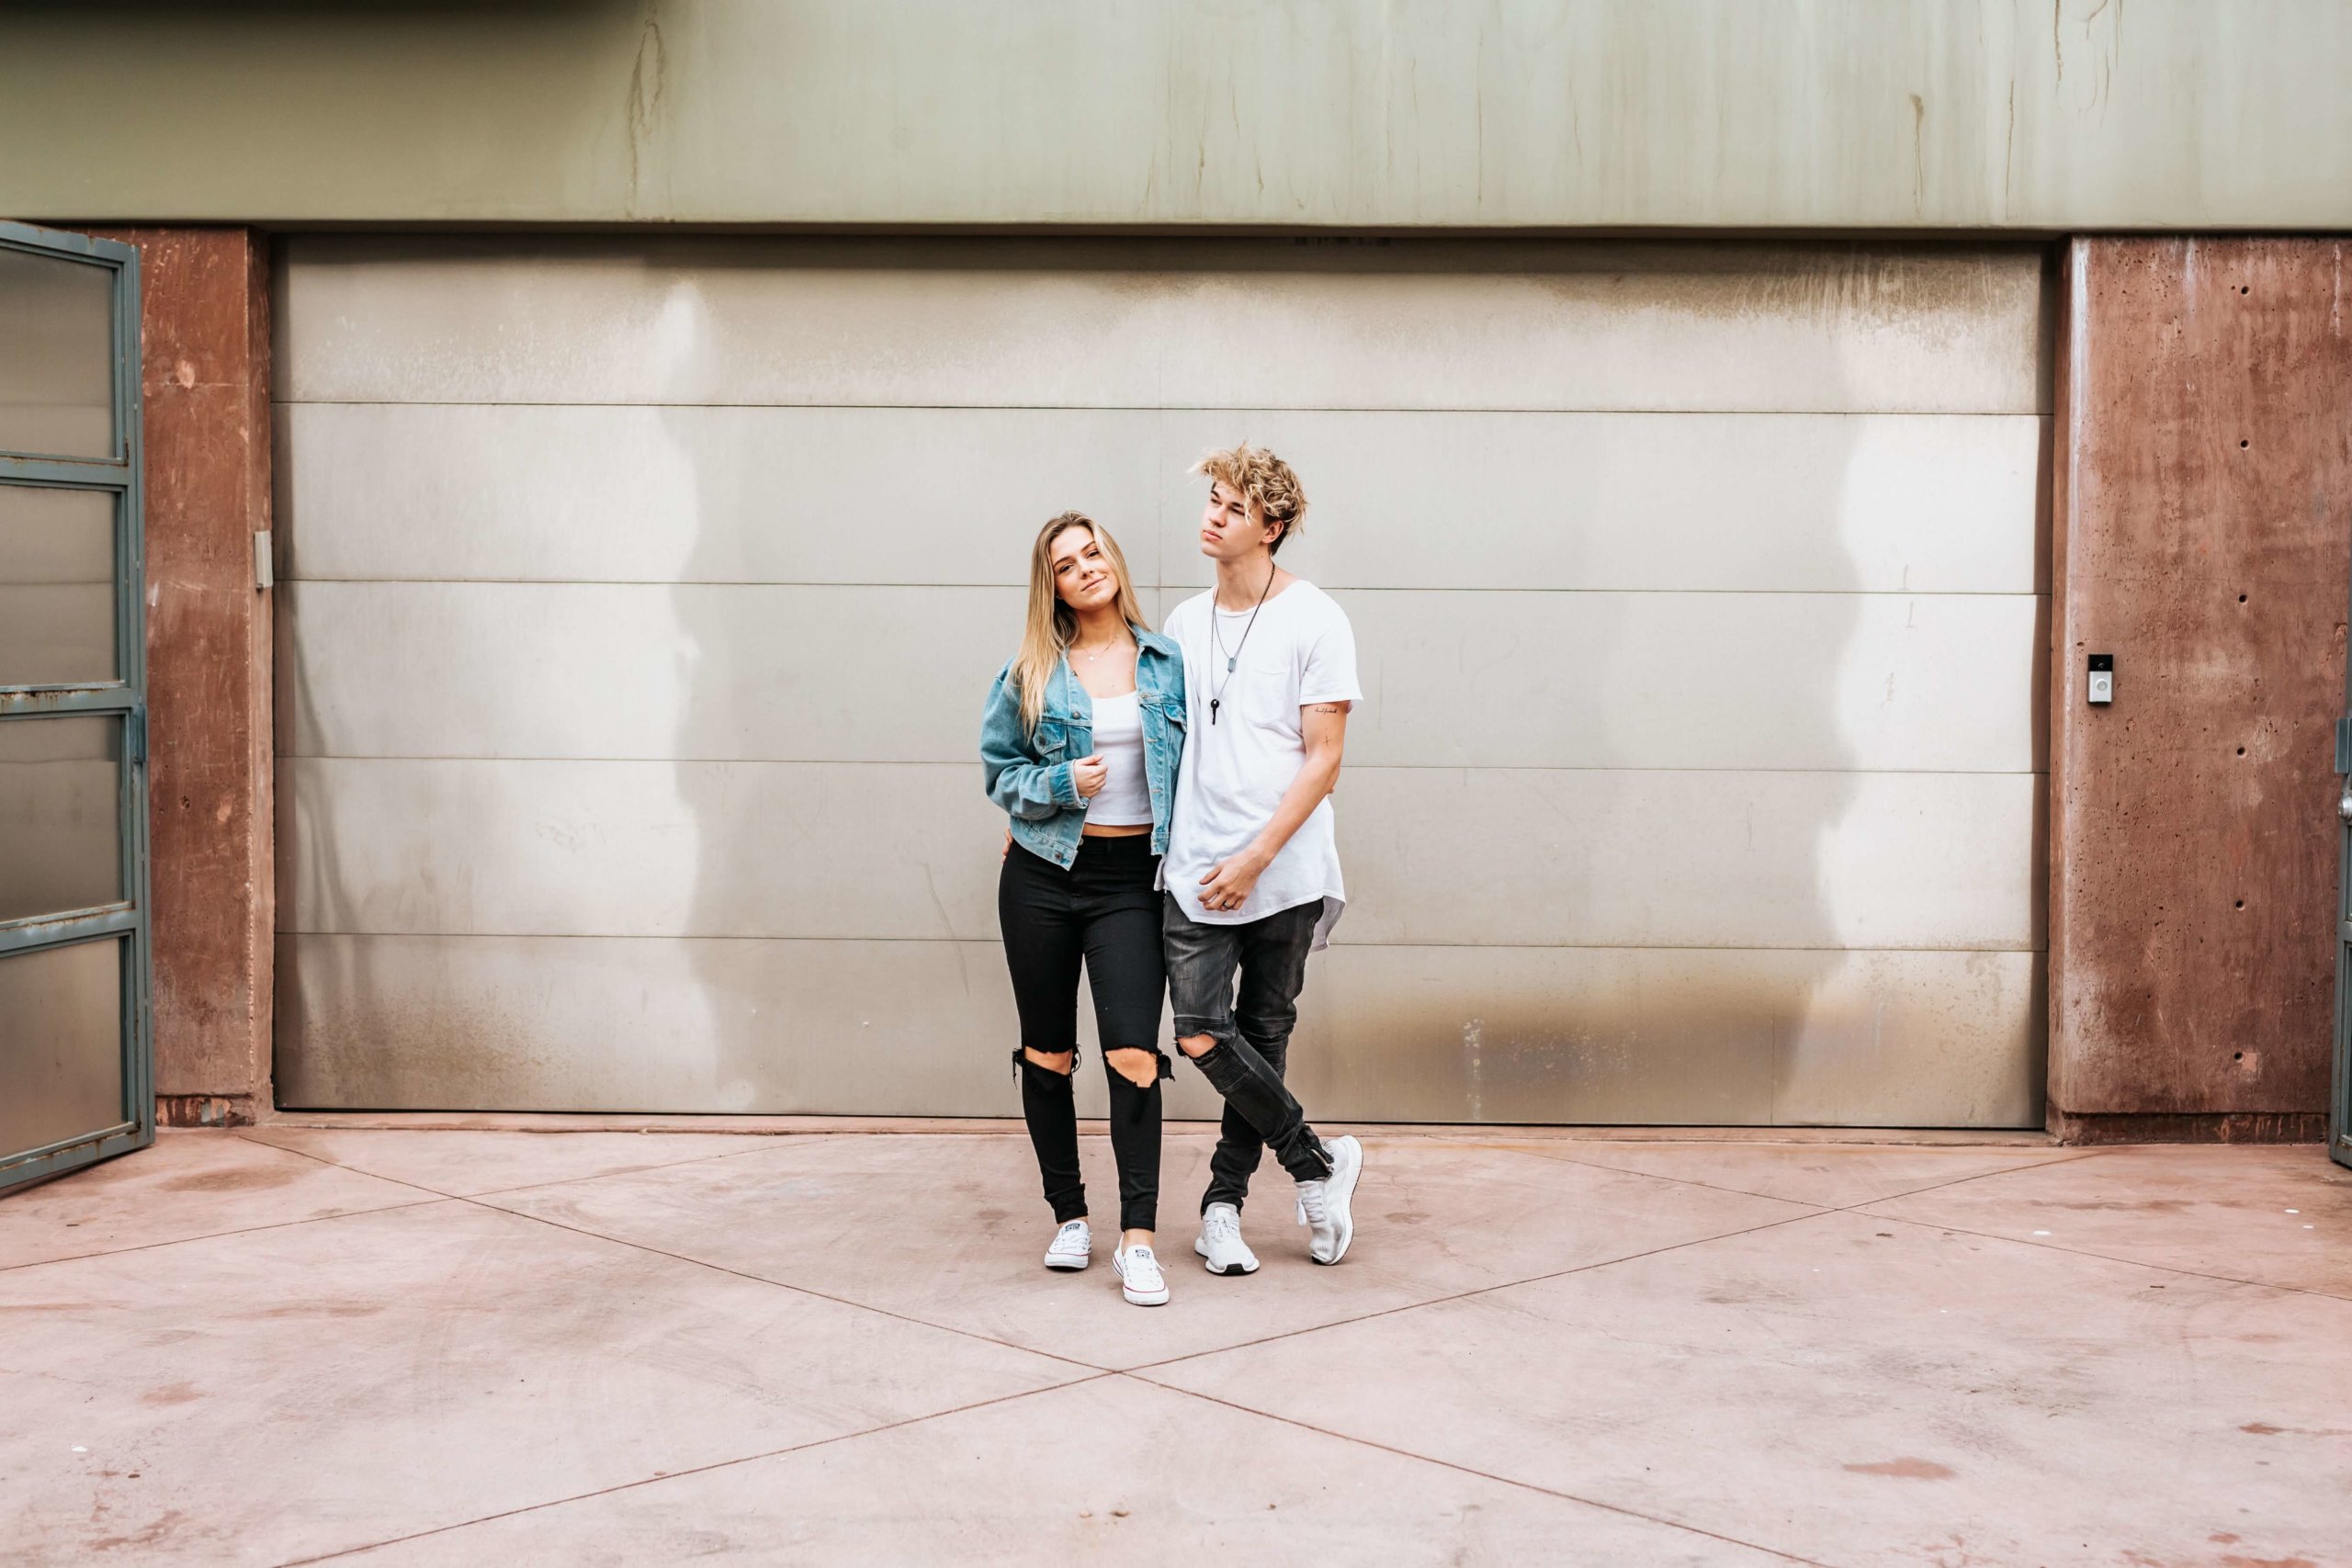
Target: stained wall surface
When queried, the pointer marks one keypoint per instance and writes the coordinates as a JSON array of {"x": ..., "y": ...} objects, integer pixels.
[
  {"x": 205, "y": 382},
  {"x": 2205, "y": 515},
  {"x": 2048, "y": 115},
  {"x": 640, "y": 598}
]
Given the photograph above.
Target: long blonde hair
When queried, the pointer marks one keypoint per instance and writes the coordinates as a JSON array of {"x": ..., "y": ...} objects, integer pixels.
[{"x": 1052, "y": 624}]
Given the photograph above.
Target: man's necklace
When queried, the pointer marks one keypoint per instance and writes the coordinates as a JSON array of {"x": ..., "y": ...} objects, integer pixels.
[{"x": 1217, "y": 643}]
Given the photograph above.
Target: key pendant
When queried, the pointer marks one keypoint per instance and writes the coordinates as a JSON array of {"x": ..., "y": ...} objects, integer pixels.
[{"x": 1212, "y": 704}]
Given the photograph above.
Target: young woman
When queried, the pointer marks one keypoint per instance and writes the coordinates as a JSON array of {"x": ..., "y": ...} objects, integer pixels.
[{"x": 1080, "y": 745}]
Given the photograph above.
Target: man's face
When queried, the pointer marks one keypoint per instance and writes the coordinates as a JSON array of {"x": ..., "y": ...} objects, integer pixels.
[{"x": 1228, "y": 531}]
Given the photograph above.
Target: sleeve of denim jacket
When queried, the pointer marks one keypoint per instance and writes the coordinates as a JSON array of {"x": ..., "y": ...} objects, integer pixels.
[{"x": 1018, "y": 783}]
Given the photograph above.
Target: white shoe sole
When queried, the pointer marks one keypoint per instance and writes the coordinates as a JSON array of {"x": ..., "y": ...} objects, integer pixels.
[
  {"x": 1340, "y": 1190},
  {"x": 1138, "y": 1298},
  {"x": 1202, "y": 1248}
]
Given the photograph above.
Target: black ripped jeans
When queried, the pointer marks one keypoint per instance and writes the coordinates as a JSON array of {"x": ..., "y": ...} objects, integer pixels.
[
  {"x": 1239, "y": 985},
  {"x": 1102, "y": 912}
]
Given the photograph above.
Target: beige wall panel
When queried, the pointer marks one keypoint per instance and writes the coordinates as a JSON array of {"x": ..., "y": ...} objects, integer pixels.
[
  {"x": 692, "y": 494},
  {"x": 620, "y": 670},
  {"x": 1728, "y": 1037},
  {"x": 569, "y": 1023},
  {"x": 1620, "y": 858},
  {"x": 910, "y": 851},
  {"x": 2038, "y": 113},
  {"x": 1796, "y": 502},
  {"x": 1567, "y": 1035},
  {"x": 1696, "y": 502},
  {"x": 856, "y": 674},
  {"x": 639, "y": 848},
  {"x": 1813, "y": 680},
  {"x": 1102, "y": 325}
]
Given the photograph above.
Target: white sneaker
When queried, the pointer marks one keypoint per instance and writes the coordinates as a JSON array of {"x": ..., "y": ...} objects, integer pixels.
[
  {"x": 1139, "y": 1277},
  {"x": 1221, "y": 1244},
  {"x": 1073, "y": 1248},
  {"x": 1323, "y": 1205}
]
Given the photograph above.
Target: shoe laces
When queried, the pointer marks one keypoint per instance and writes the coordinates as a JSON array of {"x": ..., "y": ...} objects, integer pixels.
[
  {"x": 1314, "y": 1201},
  {"x": 1141, "y": 1262},
  {"x": 1220, "y": 1224},
  {"x": 1071, "y": 1231}
]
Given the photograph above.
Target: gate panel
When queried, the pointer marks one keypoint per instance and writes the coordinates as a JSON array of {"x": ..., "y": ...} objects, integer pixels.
[{"x": 76, "y": 1053}]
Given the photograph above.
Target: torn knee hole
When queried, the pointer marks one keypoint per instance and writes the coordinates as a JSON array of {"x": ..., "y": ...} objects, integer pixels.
[
  {"x": 1197, "y": 1044},
  {"x": 1139, "y": 1067},
  {"x": 1060, "y": 1062}
]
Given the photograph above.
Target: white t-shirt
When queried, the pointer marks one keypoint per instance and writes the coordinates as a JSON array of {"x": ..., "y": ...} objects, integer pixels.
[{"x": 1239, "y": 761}]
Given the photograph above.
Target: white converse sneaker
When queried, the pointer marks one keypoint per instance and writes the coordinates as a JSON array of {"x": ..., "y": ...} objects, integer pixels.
[
  {"x": 1221, "y": 1244},
  {"x": 1073, "y": 1248},
  {"x": 1139, "y": 1277},
  {"x": 1323, "y": 1205}
]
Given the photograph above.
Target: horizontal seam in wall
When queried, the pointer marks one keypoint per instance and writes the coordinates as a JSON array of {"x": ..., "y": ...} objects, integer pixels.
[
  {"x": 1176, "y": 408},
  {"x": 1353, "y": 768},
  {"x": 2020, "y": 593},
  {"x": 995, "y": 943}
]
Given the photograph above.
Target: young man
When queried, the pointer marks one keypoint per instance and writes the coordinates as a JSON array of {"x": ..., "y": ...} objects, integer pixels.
[{"x": 1252, "y": 873}]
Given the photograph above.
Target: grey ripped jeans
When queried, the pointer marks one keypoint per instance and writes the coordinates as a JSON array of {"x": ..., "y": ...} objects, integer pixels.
[{"x": 1251, "y": 1022}]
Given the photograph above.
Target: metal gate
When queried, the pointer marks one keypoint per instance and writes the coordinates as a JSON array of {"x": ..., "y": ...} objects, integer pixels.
[{"x": 75, "y": 1053}]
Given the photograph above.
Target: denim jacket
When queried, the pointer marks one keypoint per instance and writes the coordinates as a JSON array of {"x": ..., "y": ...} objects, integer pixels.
[{"x": 1030, "y": 776}]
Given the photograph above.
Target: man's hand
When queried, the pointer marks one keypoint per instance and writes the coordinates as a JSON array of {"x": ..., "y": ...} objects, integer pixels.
[
  {"x": 1231, "y": 881},
  {"x": 1088, "y": 774}
]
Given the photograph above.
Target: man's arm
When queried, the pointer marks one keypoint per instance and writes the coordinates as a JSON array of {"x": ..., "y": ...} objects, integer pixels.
[{"x": 1324, "y": 728}]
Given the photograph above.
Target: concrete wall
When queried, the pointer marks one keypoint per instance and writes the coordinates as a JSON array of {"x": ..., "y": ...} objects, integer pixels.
[
  {"x": 2204, "y": 518},
  {"x": 2035, "y": 114},
  {"x": 204, "y": 378}
]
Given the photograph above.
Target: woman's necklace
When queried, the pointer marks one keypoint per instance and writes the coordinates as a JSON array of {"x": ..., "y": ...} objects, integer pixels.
[
  {"x": 1093, "y": 654},
  {"x": 1217, "y": 694}
]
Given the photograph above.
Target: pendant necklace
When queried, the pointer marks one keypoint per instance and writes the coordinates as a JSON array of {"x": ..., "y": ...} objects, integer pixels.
[{"x": 1216, "y": 695}]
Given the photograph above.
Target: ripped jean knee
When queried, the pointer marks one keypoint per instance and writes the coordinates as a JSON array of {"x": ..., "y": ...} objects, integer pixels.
[
  {"x": 1162, "y": 1069},
  {"x": 1194, "y": 1026}
]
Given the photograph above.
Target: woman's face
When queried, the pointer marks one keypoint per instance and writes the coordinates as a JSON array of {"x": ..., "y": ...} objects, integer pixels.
[{"x": 1083, "y": 576}]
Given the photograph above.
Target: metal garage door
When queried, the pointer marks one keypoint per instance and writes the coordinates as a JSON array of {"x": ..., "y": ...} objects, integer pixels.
[{"x": 640, "y": 598}]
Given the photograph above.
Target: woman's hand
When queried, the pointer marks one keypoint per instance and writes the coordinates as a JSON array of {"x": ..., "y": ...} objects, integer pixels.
[{"x": 1088, "y": 774}]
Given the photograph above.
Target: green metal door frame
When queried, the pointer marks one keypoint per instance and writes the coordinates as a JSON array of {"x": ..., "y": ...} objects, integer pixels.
[{"x": 124, "y": 699}]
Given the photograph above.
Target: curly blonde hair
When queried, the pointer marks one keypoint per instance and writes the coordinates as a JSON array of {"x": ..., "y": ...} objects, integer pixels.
[{"x": 1264, "y": 480}]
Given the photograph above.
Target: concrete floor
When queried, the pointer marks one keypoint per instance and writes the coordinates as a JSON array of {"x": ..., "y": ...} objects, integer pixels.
[{"x": 427, "y": 1346}]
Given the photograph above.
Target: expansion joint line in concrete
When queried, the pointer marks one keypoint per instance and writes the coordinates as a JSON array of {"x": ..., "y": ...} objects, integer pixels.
[
  {"x": 1824, "y": 1208},
  {"x": 1616, "y": 1509},
  {"x": 241, "y": 1230},
  {"x": 1868, "y": 1208},
  {"x": 693, "y": 1470},
  {"x": 1815, "y": 1212},
  {"x": 716, "y": 1268}
]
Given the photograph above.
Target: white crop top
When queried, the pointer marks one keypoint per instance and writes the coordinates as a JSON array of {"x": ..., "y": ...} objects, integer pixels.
[{"x": 1124, "y": 799}]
